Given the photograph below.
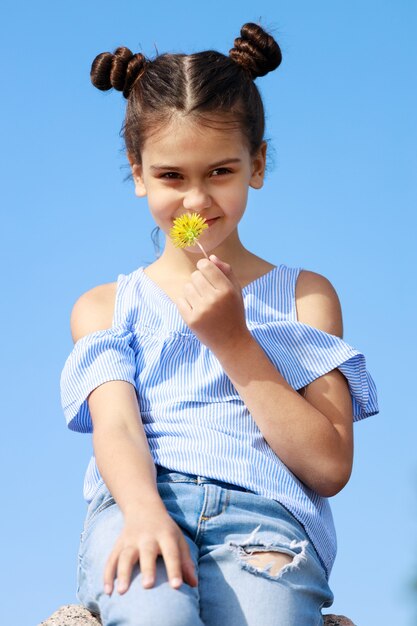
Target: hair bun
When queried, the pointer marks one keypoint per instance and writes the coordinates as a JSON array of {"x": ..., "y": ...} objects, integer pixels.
[
  {"x": 256, "y": 51},
  {"x": 118, "y": 70}
]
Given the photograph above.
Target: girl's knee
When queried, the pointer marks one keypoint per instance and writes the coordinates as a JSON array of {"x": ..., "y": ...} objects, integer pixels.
[{"x": 153, "y": 607}]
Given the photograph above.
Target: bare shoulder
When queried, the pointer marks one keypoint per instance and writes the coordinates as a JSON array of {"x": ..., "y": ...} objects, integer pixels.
[
  {"x": 317, "y": 303},
  {"x": 93, "y": 310}
]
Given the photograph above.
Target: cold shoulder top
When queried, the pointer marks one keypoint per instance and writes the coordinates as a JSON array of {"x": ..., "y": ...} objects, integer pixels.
[{"x": 193, "y": 417}]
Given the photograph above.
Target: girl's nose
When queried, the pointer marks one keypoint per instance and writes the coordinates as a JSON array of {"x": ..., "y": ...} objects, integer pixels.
[{"x": 196, "y": 199}]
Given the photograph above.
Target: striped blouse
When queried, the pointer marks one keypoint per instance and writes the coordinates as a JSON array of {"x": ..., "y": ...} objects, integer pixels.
[{"x": 194, "y": 419}]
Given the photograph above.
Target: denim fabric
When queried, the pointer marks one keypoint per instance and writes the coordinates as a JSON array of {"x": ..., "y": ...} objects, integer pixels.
[{"x": 223, "y": 525}]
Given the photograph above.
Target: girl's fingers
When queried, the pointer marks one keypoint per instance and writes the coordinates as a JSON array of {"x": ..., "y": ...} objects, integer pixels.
[
  {"x": 172, "y": 559},
  {"x": 188, "y": 566},
  {"x": 226, "y": 270},
  {"x": 219, "y": 273},
  {"x": 148, "y": 558},
  {"x": 175, "y": 553},
  {"x": 199, "y": 282},
  {"x": 205, "y": 283},
  {"x": 127, "y": 558},
  {"x": 191, "y": 295},
  {"x": 188, "y": 570},
  {"x": 110, "y": 572},
  {"x": 210, "y": 275},
  {"x": 216, "y": 272},
  {"x": 184, "y": 562},
  {"x": 224, "y": 267}
]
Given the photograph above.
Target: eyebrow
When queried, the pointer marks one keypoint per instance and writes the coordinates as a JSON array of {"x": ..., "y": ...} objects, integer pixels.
[{"x": 159, "y": 166}]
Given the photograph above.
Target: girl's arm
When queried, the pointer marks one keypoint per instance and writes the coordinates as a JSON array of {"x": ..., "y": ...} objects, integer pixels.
[
  {"x": 125, "y": 463},
  {"x": 312, "y": 435}
]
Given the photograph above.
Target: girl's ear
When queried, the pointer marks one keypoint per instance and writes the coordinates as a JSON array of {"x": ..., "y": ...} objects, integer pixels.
[
  {"x": 140, "y": 189},
  {"x": 258, "y": 167}
]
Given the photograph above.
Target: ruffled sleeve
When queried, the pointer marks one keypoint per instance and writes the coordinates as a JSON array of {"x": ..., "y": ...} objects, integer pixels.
[
  {"x": 96, "y": 358},
  {"x": 303, "y": 353}
]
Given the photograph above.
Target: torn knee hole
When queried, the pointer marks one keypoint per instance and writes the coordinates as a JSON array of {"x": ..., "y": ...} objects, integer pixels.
[
  {"x": 268, "y": 559},
  {"x": 271, "y": 562}
]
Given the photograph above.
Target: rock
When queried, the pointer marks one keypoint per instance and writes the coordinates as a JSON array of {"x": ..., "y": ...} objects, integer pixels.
[
  {"x": 336, "y": 620},
  {"x": 72, "y": 615},
  {"x": 76, "y": 615}
]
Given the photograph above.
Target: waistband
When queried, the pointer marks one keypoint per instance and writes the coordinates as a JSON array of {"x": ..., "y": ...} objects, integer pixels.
[{"x": 167, "y": 475}]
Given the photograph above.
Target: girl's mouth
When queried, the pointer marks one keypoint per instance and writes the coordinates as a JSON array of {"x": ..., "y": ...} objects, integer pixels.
[{"x": 211, "y": 221}]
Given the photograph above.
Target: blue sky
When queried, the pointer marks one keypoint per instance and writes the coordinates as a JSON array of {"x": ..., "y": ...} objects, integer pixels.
[{"x": 339, "y": 199}]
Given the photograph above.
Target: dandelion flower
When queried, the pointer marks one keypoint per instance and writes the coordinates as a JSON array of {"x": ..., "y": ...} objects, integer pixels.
[{"x": 187, "y": 229}]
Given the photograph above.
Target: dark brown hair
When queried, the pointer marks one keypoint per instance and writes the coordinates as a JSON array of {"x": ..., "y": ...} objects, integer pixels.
[{"x": 214, "y": 88}]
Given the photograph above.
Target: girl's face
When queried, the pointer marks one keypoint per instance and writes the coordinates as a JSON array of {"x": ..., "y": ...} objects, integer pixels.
[{"x": 187, "y": 167}]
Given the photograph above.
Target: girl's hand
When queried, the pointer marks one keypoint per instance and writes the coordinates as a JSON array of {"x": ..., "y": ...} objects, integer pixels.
[
  {"x": 212, "y": 305},
  {"x": 142, "y": 540}
]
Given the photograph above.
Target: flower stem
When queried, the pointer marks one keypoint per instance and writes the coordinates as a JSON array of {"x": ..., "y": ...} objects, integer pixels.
[{"x": 202, "y": 249}]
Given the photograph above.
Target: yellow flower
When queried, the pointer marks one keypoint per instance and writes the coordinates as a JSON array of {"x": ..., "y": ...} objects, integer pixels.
[{"x": 186, "y": 230}]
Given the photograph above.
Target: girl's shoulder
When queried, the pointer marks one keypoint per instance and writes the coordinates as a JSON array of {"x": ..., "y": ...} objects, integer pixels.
[
  {"x": 93, "y": 310},
  {"x": 317, "y": 303}
]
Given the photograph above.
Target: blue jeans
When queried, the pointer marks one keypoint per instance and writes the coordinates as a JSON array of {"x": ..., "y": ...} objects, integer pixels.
[{"x": 227, "y": 528}]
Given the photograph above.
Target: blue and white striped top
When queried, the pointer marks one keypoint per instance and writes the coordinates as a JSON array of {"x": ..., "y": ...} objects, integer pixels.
[{"x": 194, "y": 419}]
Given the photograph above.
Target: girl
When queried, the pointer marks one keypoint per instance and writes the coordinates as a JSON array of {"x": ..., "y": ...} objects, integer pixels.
[{"x": 219, "y": 391}]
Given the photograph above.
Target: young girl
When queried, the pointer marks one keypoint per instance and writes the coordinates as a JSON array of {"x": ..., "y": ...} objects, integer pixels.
[{"x": 219, "y": 391}]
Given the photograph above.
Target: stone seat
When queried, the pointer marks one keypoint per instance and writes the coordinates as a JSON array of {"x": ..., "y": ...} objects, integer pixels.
[{"x": 76, "y": 615}]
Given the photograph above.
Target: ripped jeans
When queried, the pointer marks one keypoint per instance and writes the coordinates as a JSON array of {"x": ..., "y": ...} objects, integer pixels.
[{"x": 254, "y": 562}]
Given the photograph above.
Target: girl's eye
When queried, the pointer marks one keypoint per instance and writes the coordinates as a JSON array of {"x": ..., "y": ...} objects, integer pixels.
[
  {"x": 220, "y": 171},
  {"x": 170, "y": 175}
]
